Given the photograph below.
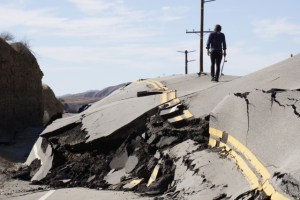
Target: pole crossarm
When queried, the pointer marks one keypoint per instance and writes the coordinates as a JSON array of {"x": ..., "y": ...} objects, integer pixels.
[
  {"x": 206, "y": 1},
  {"x": 193, "y": 31}
]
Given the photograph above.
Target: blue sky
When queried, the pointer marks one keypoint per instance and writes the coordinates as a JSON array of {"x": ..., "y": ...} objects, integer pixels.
[{"x": 91, "y": 44}]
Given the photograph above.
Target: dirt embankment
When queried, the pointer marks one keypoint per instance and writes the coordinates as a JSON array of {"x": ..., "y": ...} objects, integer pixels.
[
  {"x": 21, "y": 88},
  {"x": 53, "y": 108},
  {"x": 24, "y": 101}
]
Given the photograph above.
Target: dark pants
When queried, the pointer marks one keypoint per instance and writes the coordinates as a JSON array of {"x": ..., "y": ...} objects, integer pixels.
[{"x": 216, "y": 58}]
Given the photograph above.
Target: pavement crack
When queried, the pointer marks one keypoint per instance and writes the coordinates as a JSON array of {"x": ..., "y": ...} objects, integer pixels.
[
  {"x": 273, "y": 98},
  {"x": 295, "y": 110},
  {"x": 244, "y": 96},
  {"x": 293, "y": 99},
  {"x": 274, "y": 92}
]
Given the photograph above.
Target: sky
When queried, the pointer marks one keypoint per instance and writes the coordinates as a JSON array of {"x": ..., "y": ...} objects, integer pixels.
[{"x": 84, "y": 45}]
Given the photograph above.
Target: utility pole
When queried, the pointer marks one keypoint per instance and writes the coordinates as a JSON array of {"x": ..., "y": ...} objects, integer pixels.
[
  {"x": 186, "y": 59},
  {"x": 201, "y": 34}
]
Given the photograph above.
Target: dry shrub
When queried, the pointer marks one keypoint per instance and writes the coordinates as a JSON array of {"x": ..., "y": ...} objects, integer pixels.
[
  {"x": 22, "y": 47},
  {"x": 6, "y": 36}
]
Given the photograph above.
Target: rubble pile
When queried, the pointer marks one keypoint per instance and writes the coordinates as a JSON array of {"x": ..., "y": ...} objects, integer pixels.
[{"x": 140, "y": 163}]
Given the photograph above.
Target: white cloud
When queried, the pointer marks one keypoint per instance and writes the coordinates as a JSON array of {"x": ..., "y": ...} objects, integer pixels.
[
  {"x": 44, "y": 22},
  {"x": 131, "y": 56},
  {"x": 91, "y": 6},
  {"x": 273, "y": 28},
  {"x": 172, "y": 13}
]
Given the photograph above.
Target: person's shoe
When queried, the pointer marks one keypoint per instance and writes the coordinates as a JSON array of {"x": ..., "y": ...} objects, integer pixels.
[
  {"x": 213, "y": 79},
  {"x": 216, "y": 79}
]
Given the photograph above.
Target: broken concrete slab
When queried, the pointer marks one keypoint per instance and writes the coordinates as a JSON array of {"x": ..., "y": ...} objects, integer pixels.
[
  {"x": 170, "y": 104},
  {"x": 104, "y": 121},
  {"x": 91, "y": 178},
  {"x": 100, "y": 122},
  {"x": 114, "y": 177},
  {"x": 62, "y": 124},
  {"x": 172, "y": 112},
  {"x": 43, "y": 152},
  {"x": 128, "y": 92},
  {"x": 182, "y": 149},
  {"x": 271, "y": 135},
  {"x": 201, "y": 174},
  {"x": 186, "y": 114},
  {"x": 119, "y": 161},
  {"x": 115, "y": 101},
  {"x": 166, "y": 141},
  {"x": 131, "y": 164}
]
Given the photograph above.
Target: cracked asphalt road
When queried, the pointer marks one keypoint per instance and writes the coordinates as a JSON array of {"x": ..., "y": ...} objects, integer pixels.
[{"x": 252, "y": 150}]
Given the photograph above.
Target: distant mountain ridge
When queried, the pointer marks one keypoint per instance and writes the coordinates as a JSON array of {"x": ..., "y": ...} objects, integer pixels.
[
  {"x": 73, "y": 102},
  {"x": 94, "y": 93}
]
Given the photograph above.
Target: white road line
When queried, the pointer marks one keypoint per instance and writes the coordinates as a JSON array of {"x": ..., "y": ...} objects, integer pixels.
[{"x": 47, "y": 195}]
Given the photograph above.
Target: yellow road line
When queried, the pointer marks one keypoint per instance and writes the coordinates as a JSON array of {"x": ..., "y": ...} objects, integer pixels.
[
  {"x": 167, "y": 96},
  {"x": 259, "y": 167},
  {"x": 149, "y": 82},
  {"x": 153, "y": 175},
  {"x": 212, "y": 142},
  {"x": 246, "y": 170},
  {"x": 133, "y": 183},
  {"x": 244, "y": 151},
  {"x": 186, "y": 115},
  {"x": 155, "y": 86},
  {"x": 159, "y": 84},
  {"x": 215, "y": 132}
]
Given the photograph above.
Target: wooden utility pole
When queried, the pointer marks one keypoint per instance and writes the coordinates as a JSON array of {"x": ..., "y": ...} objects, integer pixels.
[
  {"x": 201, "y": 37},
  {"x": 201, "y": 34},
  {"x": 186, "y": 59}
]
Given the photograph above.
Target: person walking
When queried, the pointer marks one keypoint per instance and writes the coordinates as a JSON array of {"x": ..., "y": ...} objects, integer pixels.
[{"x": 216, "y": 48}]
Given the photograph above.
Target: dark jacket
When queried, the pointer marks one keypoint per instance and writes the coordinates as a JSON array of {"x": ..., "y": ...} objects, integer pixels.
[{"x": 216, "y": 41}]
